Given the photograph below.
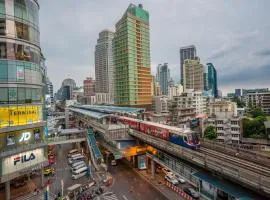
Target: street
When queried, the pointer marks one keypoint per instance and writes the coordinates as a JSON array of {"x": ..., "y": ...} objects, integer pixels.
[
  {"x": 127, "y": 185},
  {"x": 63, "y": 171}
]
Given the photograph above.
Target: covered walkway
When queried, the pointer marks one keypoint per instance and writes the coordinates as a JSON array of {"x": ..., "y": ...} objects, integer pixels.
[{"x": 93, "y": 143}]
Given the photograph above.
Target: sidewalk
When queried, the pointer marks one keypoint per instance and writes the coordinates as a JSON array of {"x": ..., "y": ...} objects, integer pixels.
[{"x": 159, "y": 184}]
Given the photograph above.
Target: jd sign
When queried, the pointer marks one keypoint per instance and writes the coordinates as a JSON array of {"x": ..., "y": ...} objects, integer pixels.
[{"x": 25, "y": 137}]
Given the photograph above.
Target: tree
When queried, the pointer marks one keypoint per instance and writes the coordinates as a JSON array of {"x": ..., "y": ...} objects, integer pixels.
[
  {"x": 240, "y": 103},
  {"x": 256, "y": 112},
  {"x": 254, "y": 128},
  {"x": 210, "y": 133}
]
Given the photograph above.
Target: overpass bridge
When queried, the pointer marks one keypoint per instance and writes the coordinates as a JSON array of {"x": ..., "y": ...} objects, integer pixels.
[{"x": 245, "y": 172}]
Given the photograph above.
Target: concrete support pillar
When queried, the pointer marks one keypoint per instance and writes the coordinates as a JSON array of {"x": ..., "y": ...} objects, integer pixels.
[
  {"x": 66, "y": 117},
  {"x": 42, "y": 178},
  {"x": 133, "y": 161},
  {"x": 7, "y": 190},
  {"x": 78, "y": 145},
  {"x": 153, "y": 168}
]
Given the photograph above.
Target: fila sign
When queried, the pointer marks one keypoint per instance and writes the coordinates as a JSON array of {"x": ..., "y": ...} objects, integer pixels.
[{"x": 22, "y": 160}]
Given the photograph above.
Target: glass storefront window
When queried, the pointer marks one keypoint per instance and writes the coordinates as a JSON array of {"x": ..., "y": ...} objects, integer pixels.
[
  {"x": 16, "y": 95},
  {"x": 15, "y": 51},
  {"x": 4, "y": 95}
]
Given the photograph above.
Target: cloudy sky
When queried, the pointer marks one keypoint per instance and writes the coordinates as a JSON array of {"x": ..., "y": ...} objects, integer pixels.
[{"x": 232, "y": 34}]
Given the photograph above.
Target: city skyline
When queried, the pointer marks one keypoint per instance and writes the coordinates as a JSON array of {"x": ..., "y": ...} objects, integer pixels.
[{"x": 225, "y": 41}]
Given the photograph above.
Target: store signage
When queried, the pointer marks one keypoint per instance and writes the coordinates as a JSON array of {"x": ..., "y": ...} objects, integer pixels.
[
  {"x": 20, "y": 115},
  {"x": 22, "y": 161},
  {"x": 25, "y": 137},
  {"x": 24, "y": 158}
]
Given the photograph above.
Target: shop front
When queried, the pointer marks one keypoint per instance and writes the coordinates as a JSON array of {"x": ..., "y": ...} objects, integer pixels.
[{"x": 20, "y": 138}]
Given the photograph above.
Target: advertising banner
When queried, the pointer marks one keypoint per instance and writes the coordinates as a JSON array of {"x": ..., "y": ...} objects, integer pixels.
[
  {"x": 20, "y": 115},
  {"x": 22, "y": 160}
]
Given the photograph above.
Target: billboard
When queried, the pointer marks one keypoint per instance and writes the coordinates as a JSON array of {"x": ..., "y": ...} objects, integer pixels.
[
  {"x": 13, "y": 139},
  {"x": 22, "y": 160},
  {"x": 20, "y": 115}
]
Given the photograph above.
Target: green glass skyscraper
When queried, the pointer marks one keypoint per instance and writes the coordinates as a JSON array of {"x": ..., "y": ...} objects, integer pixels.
[{"x": 131, "y": 49}]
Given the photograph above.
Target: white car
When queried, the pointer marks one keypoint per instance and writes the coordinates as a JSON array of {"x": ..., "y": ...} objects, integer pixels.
[
  {"x": 171, "y": 179},
  {"x": 180, "y": 179}
]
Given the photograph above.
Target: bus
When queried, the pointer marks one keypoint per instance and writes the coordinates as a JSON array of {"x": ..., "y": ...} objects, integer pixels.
[{"x": 80, "y": 173}]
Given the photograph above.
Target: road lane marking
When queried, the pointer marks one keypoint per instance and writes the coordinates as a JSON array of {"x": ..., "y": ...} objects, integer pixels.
[{"x": 125, "y": 197}]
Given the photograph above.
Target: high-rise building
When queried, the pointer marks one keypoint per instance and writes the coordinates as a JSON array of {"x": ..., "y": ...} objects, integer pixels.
[
  {"x": 174, "y": 90},
  {"x": 193, "y": 74},
  {"x": 238, "y": 92},
  {"x": 89, "y": 87},
  {"x": 131, "y": 50},
  {"x": 49, "y": 89},
  {"x": 163, "y": 77},
  {"x": 187, "y": 52},
  {"x": 256, "y": 90},
  {"x": 258, "y": 99},
  {"x": 21, "y": 88},
  {"x": 104, "y": 63},
  {"x": 210, "y": 80}
]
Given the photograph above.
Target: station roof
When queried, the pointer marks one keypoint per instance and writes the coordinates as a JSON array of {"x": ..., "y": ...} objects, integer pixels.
[
  {"x": 234, "y": 190},
  {"x": 93, "y": 114},
  {"x": 110, "y": 109}
]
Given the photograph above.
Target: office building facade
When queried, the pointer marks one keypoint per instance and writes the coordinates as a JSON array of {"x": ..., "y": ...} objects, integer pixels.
[
  {"x": 193, "y": 74},
  {"x": 89, "y": 87},
  {"x": 210, "y": 80},
  {"x": 223, "y": 116},
  {"x": 131, "y": 51},
  {"x": 187, "y": 52},
  {"x": 104, "y": 70},
  {"x": 21, "y": 89},
  {"x": 163, "y": 77},
  {"x": 258, "y": 99}
]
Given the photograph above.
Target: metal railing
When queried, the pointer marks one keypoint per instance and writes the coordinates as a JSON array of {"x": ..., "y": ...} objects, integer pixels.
[
  {"x": 250, "y": 178},
  {"x": 175, "y": 165}
]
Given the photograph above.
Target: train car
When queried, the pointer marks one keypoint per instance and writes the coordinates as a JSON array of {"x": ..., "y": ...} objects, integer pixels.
[{"x": 182, "y": 137}]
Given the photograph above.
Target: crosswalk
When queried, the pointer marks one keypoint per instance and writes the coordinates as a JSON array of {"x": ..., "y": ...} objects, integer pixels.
[{"x": 109, "y": 196}]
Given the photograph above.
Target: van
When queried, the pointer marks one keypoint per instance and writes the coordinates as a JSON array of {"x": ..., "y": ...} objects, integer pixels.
[
  {"x": 77, "y": 163},
  {"x": 74, "y": 155},
  {"x": 77, "y": 158},
  {"x": 78, "y": 167},
  {"x": 79, "y": 173},
  {"x": 73, "y": 151}
]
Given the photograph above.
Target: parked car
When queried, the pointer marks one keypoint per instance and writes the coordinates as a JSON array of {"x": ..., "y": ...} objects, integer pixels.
[
  {"x": 48, "y": 171},
  {"x": 171, "y": 179},
  {"x": 180, "y": 179},
  {"x": 193, "y": 193}
]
